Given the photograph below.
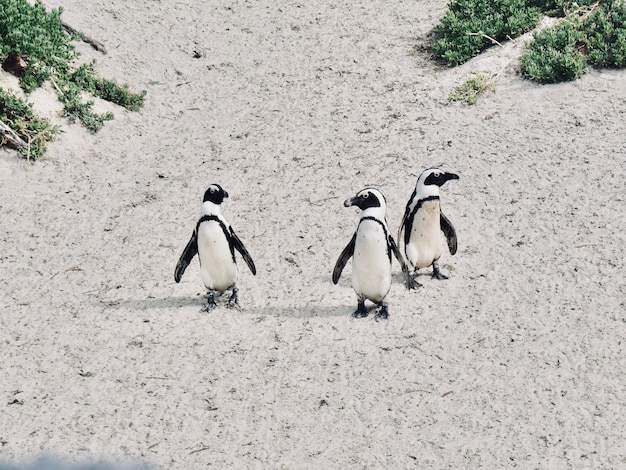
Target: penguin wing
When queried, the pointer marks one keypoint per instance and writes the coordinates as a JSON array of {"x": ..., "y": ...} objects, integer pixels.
[
  {"x": 188, "y": 253},
  {"x": 345, "y": 255},
  {"x": 400, "y": 258},
  {"x": 407, "y": 211},
  {"x": 449, "y": 232},
  {"x": 242, "y": 249}
]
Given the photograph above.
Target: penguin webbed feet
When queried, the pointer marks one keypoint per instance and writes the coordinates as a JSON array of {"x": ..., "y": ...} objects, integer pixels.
[
  {"x": 233, "y": 301},
  {"x": 361, "y": 311},
  {"x": 382, "y": 314},
  {"x": 411, "y": 282},
  {"x": 437, "y": 274},
  {"x": 210, "y": 303}
]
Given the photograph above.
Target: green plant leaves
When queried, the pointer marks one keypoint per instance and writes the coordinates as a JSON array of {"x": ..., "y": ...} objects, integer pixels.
[
  {"x": 36, "y": 132},
  {"x": 28, "y": 29},
  {"x": 591, "y": 32},
  {"x": 606, "y": 33},
  {"x": 469, "y": 91},
  {"x": 554, "y": 54},
  {"x": 470, "y": 26}
]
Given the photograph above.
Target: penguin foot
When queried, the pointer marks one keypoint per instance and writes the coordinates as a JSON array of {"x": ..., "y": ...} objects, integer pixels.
[
  {"x": 360, "y": 314},
  {"x": 361, "y": 311},
  {"x": 437, "y": 272},
  {"x": 382, "y": 314},
  {"x": 210, "y": 303},
  {"x": 233, "y": 301},
  {"x": 412, "y": 282},
  {"x": 438, "y": 275}
]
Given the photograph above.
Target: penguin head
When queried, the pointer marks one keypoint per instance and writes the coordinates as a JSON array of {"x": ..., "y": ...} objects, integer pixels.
[
  {"x": 213, "y": 197},
  {"x": 215, "y": 194},
  {"x": 368, "y": 199},
  {"x": 431, "y": 180}
]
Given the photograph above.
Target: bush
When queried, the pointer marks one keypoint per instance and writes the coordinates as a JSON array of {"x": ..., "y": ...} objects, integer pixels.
[
  {"x": 20, "y": 118},
  {"x": 561, "y": 8},
  {"x": 606, "y": 34},
  {"x": 592, "y": 31},
  {"x": 29, "y": 30},
  {"x": 469, "y": 26},
  {"x": 555, "y": 54},
  {"x": 469, "y": 91}
]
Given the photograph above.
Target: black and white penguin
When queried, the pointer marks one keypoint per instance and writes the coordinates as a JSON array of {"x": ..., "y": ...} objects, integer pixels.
[
  {"x": 423, "y": 223},
  {"x": 371, "y": 248},
  {"x": 215, "y": 243}
]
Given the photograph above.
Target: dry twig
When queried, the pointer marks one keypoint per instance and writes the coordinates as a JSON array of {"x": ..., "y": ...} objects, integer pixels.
[
  {"x": 97, "y": 45},
  {"x": 10, "y": 137},
  {"x": 486, "y": 37}
]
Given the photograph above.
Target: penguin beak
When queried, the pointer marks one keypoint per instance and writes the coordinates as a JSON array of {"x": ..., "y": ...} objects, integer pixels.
[
  {"x": 446, "y": 177},
  {"x": 226, "y": 194},
  {"x": 351, "y": 201}
]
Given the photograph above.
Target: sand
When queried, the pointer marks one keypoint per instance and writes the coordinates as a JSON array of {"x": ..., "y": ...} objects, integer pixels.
[{"x": 516, "y": 361}]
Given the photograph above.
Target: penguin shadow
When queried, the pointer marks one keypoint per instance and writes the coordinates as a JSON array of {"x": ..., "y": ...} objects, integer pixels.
[
  {"x": 301, "y": 312},
  {"x": 150, "y": 303},
  {"x": 155, "y": 303}
]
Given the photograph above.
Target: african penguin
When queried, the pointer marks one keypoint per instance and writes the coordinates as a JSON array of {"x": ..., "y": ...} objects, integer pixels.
[
  {"x": 422, "y": 223},
  {"x": 371, "y": 247},
  {"x": 215, "y": 242}
]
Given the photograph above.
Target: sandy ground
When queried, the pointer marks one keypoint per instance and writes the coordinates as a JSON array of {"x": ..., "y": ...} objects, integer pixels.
[{"x": 517, "y": 361}]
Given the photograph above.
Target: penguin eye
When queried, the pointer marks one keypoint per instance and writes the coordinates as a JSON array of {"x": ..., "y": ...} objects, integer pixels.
[{"x": 366, "y": 195}]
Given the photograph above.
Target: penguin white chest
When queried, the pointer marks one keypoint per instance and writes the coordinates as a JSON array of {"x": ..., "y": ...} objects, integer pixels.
[
  {"x": 424, "y": 245},
  {"x": 217, "y": 268},
  {"x": 371, "y": 267}
]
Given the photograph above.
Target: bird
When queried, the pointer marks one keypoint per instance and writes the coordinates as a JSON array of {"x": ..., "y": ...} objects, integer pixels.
[
  {"x": 370, "y": 248},
  {"x": 215, "y": 242},
  {"x": 422, "y": 223}
]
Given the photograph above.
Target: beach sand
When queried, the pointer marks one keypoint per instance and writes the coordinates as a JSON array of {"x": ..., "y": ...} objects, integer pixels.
[{"x": 516, "y": 361}]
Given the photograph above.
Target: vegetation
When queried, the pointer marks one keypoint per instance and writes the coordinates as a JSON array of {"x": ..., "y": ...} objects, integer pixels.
[
  {"x": 605, "y": 28},
  {"x": 34, "y": 131},
  {"x": 588, "y": 32},
  {"x": 31, "y": 31},
  {"x": 595, "y": 34},
  {"x": 469, "y": 91},
  {"x": 555, "y": 54},
  {"x": 470, "y": 26}
]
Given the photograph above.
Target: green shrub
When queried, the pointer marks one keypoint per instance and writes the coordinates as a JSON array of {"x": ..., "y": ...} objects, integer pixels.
[
  {"x": 74, "y": 108},
  {"x": 469, "y": 26},
  {"x": 469, "y": 91},
  {"x": 28, "y": 29},
  {"x": 86, "y": 79},
  {"x": 561, "y": 8},
  {"x": 592, "y": 31},
  {"x": 19, "y": 117},
  {"x": 555, "y": 54},
  {"x": 606, "y": 34}
]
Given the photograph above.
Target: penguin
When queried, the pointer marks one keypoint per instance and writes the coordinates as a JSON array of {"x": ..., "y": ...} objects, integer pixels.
[
  {"x": 422, "y": 223},
  {"x": 215, "y": 242},
  {"x": 371, "y": 248}
]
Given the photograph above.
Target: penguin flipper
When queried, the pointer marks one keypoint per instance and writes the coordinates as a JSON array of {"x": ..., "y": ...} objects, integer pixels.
[
  {"x": 400, "y": 258},
  {"x": 405, "y": 217},
  {"x": 345, "y": 255},
  {"x": 238, "y": 244},
  {"x": 449, "y": 232},
  {"x": 185, "y": 258}
]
